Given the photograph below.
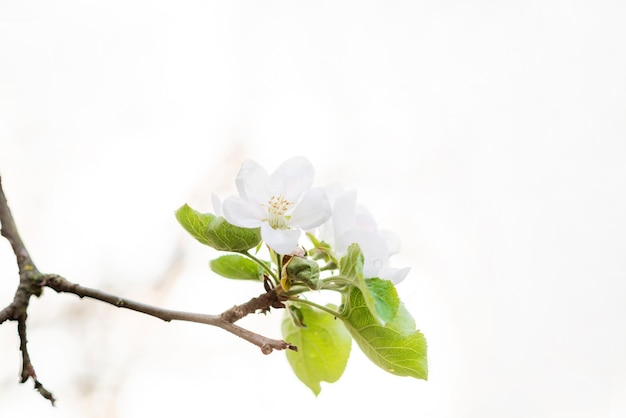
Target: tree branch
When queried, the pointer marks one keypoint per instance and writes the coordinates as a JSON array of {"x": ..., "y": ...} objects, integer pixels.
[
  {"x": 32, "y": 283},
  {"x": 29, "y": 285},
  {"x": 9, "y": 231}
]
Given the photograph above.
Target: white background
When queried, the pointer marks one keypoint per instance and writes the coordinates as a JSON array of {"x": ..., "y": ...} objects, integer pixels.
[{"x": 490, "y": 136}]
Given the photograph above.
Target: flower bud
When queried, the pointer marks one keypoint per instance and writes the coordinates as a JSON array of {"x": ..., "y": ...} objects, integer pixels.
[{"x": 301, "y": 270}]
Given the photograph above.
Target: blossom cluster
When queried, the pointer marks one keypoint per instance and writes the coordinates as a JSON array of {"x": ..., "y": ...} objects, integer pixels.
[
  {"x": 347, "y": 254},
  {"x": 284, "y": 204}
]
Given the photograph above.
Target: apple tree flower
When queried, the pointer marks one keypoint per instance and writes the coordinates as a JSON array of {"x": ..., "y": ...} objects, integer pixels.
[
  {"x": 353, "y": 223},
  {"x": 281, "y": 204}
]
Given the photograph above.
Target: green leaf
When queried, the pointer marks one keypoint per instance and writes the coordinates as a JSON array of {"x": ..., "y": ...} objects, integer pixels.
[
  {"x": 385, "y": 298},
  {"x": 295, "y": 313},
  {"x": 396, "y": 347},
  {"x": 323, "y": 347},
  {"x": 234, "y": 266},
  {"x": 194, "y": 222},
  {"x": 216, "y": 232},
  {"x": 380, "y": 295},
  {"x": 351, "y": 265}
]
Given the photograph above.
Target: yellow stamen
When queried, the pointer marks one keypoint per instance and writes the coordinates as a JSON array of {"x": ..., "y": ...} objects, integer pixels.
[{"x": 277, "y": 207}]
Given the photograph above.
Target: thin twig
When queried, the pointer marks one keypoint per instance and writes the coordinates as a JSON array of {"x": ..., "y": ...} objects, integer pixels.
[
  {"x": 225, "y": 320},
  {"x": 28, "y": 371}
]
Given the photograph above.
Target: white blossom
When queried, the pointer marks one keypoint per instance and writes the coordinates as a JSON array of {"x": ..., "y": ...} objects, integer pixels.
[
  {"x": 281, "y": 204},
  {"x": 353, "y": 223}
]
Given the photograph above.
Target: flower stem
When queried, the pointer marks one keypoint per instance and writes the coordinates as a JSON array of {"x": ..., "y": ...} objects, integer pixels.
[
  {"x": 321, "y": 308},
  {"x": 261, "y": 263},
  {"x": 337, "y": 280},
  {"x": 279, "y": 263}
]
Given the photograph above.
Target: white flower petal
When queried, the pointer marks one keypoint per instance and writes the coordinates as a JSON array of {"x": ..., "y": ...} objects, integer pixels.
[
  {"x": 344, "y": 207},
  {"x": 253, "y": 182},
  {"x": 313, "y": 210},
  {"x": 240, "y": 213},
  {"x": 292, "y": 178},
  {"x": 326, "y": 231},
  {"x": 372, "y": 244},
  {"x": 283, "y": 241},
  {"x": 364, "y": 219},
  {"x": 393, "y": 241},
  {"x": 395, "y": 275},
  {"x": 334, "y": 190}
]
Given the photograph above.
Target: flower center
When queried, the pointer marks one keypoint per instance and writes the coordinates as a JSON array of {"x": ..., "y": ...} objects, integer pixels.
[{"x": 277, "y": 207}]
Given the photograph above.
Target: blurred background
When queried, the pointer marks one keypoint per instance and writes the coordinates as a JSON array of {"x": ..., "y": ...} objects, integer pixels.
[{"x": 490, "y": 136}]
